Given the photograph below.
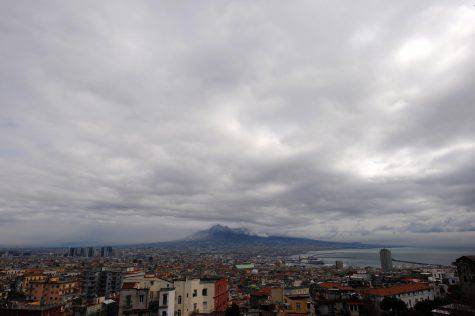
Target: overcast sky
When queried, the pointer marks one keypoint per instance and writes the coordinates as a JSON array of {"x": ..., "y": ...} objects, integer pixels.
[{"x": 134, "y": 121}]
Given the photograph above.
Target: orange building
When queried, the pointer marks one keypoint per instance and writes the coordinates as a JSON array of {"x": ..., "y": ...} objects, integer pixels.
[
  {"x": 51, "y": 291},
  {"x": 297, "y": 304},
  {"x": 32, "y": 278}
]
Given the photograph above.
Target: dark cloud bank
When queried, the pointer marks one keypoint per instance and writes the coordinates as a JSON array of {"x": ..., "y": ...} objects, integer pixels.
[{"x": 142, "y": 121}]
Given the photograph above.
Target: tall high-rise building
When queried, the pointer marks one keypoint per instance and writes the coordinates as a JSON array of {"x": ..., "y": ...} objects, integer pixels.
[
  {"x": 386, "y": 260},
  {"x": 339, "y": 264},
  {"x": 106, "y": 251}
]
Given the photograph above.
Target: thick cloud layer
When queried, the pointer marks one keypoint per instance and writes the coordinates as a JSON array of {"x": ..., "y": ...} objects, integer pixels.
[{"x": 142, "y": 121}]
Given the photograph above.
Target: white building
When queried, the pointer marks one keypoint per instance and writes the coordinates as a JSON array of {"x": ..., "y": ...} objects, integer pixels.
[
  {"x": 166, "y": 301},
  {"x": 410, "y": 293},
  {"x": 194, "y": 295},
  {"x": 141, "y": 295}
]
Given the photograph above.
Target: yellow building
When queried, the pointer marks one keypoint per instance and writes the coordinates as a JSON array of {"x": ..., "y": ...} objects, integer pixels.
[{"x": 297, "y": 304}]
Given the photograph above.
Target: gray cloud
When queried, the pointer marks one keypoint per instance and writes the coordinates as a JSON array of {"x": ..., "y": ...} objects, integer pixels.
[{"x": 131, "y": 122}]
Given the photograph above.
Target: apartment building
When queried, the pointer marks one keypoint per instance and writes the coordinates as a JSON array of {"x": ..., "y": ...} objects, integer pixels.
[
  {"x": 52, "y": 291},
  {"x": 333, "y": 298},
  {"x": 101, "y": 282},
  {"x": 135, "y": 299},
  {"x": 166, "y": 302},
  {"x": 204, "y": 296},
  {"x": 32, "y": 278},
  {"x": 194, "y": 295},
  {"x": 154, "y": 296},
  {"x": 298, "y": 305},
  {"x": 144, "y": 295}
]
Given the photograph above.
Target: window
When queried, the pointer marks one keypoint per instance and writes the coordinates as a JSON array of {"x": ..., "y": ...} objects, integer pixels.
[
  {"x": 164, "y": 313},
  {"x": 195, "y": 306},
  {"x": 128, "y": 300},
  {"x": 204, "y": 292},
  {"x": 195, "y": 293},
  {"x": 179, "y": 299},
  {"x": 297, "y": 306},
  {"x": 178, "y": 313},
  {"x": 165, "y": 299},
  {"x": 141, "y": 298},
  {"x": 205, "y": 305}
]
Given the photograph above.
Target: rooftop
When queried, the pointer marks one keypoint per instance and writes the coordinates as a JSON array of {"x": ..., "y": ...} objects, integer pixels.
[{"x": 398, "y": 289}]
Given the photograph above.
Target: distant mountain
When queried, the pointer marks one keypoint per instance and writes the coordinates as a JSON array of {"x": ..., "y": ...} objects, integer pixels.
[
  {"x": 220, "y": 233},
  {"x": 223, "y": 237}
]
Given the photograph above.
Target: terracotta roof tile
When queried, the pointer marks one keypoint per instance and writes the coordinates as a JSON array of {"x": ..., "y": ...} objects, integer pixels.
[{"x": 398, "y": 289}]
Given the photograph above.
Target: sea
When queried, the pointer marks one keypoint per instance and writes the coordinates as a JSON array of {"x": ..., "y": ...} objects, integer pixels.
[{"x": 370, "y": 257}]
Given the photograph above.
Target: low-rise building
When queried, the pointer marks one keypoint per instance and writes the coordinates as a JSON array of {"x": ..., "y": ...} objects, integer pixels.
[
  {"x": 23, "y": 309},
  {"x": 298, "y": 304},
  {"x": 332, "y": 298},
  {"x": 410, "y": 293},
  {"x": 134, "y": 299}
]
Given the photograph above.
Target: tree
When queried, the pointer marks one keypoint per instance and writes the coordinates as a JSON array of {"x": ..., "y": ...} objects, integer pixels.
[
  {"x": 369, "y": 309},
  {"x": 426, "y": 307},
  {"x": 233, "y": 310},
  {"x": 15, "y": 295},
  {"x": 393, "y": 305}
]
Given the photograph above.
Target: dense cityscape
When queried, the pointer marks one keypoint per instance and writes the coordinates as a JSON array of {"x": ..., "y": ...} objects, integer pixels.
[{"x": 167, "y": 282}]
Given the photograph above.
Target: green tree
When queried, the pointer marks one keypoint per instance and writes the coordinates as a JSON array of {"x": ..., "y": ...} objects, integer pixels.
[
  {"x": 233, "y": 310},
  {"x": 426, "y": 307},
  {"x": 394, "y": 306}
]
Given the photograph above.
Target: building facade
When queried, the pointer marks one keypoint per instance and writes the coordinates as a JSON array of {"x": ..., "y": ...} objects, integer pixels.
[
  {"x": 155, "y": 296},
  {"x": 466, "y": 269},
  {"x": 410, "y": 294},
  {"x": 386, "y": 259},
  {"x": 49, "y": 292}
]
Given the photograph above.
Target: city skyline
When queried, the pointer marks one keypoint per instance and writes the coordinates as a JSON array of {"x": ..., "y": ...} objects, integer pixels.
[{"x": 134, "y": 122}]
